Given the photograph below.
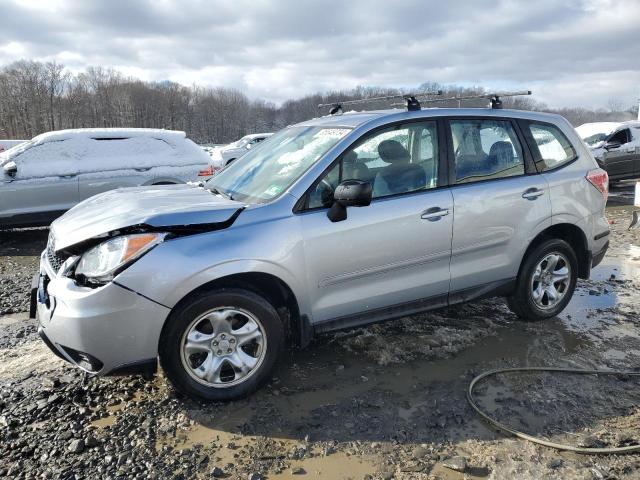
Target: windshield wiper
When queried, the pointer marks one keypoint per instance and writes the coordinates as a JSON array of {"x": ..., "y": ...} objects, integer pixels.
[{"x": 214, "y": 190}]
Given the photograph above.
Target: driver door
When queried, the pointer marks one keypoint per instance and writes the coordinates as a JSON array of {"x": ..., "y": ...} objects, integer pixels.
[
  {"x": 45, "y": 184},
  {"x": 392, "y": 257},
  {"x": 620, "y": 161}
]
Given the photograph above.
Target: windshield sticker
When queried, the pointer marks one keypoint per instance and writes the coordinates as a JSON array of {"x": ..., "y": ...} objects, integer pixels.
[
  {"x": 273, "y": 190},
  {"x": 332, "y": 132}
]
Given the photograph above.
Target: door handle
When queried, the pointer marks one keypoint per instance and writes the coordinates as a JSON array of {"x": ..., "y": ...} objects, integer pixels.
[
  {"x": 435, "y": 213},
  {"x": 71, "y": 175},
  {"x": 142, "y": 169},
  {"x": 532, "y": 193}
]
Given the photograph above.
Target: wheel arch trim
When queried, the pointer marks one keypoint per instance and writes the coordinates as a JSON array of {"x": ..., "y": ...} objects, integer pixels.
[{"x": 256, "y": 276}]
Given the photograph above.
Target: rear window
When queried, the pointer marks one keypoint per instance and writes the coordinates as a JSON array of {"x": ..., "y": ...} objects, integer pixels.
[{"x": 554, "y": 149}]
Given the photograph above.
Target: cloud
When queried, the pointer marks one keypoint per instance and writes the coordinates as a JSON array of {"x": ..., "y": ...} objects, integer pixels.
[{"x": 574, "y": 53}]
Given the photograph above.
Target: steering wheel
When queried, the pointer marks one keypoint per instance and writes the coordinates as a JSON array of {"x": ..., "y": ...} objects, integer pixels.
[{"x": 325, "y": 189}]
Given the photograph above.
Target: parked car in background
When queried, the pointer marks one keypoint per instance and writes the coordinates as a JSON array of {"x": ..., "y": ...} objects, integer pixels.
[
  {"x": 223, "y": 156},
  {"x": 48, "y": 175},
  {"x": 594, "y": 134},
  {"x": 333, "y": 223},
  {"x": 7, "y": 144},
  {"x": 619, "y": 152}
]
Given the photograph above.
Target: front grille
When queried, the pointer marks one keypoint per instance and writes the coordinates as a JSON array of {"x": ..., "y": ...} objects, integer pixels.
[{"x": 55, "y": 260}]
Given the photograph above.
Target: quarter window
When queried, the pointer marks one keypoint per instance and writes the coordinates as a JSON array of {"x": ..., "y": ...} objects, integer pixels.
[
  {"x": 485, "y": 149},
  {"x": 554, "y": 149},
  {"x": 396, "y": 160}
]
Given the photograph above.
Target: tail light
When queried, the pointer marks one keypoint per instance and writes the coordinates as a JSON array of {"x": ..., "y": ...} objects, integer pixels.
[
  {"x": 207, "y": 172},
  {"x": 599, "y": 179}
]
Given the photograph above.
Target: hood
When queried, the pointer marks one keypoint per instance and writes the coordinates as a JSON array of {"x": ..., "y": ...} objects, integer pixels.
[{"x": 157, "y": 207}]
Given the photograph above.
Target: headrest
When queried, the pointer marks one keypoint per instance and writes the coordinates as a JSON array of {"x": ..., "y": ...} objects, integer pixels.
[
  {"x": 392, "y": 151},
  {"x": 350, "y": 157},
  {"x": 502, "y": 151}
]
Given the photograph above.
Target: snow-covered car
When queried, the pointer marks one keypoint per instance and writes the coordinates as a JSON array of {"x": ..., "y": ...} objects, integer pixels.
[
  {"x": 7, "y": 144},
  {"x": 223, "y": 156},
  {"x": 46, "y": 176},
  {"x": 619, "y": 152},
  {"x": 594, "y": 134}
]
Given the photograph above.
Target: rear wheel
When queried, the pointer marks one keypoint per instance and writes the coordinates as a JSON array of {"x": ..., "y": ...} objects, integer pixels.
[
  {"x": 222, "y": 345},
  {"x": 546, "y": 281}
]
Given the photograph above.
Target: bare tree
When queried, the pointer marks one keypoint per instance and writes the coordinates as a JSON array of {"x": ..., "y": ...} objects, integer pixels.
[{"x": 37, "y": 97}]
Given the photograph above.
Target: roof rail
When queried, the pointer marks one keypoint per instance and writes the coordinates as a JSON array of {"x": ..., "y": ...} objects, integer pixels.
[
  {"x": 411, "y": 101},
  {"x": 494, "y": 97}
]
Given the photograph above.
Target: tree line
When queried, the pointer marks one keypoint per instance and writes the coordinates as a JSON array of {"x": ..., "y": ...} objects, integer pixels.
[{"x": 37, "y": 97}]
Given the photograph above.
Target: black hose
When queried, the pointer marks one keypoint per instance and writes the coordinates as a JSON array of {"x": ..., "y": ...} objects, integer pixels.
[{"x": 540, "y": 441}]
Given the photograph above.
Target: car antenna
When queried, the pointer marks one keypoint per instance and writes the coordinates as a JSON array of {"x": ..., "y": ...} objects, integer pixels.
[
  {"x": 410, "y": 101},
  {"x": 493, "y": 97}
]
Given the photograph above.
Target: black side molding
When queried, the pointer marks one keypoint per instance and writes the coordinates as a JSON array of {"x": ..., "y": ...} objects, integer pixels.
[
  {"x": 493, "y": 289},
  {"x": 146, "y": 368},
  {"x": 602, "y": 235}
]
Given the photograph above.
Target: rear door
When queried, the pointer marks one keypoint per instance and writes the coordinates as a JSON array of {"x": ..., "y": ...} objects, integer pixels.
[
  {"x": 46, "y": 181},
  {"x": 620, "y": 155},
  {"x": 119, "y": 162},
  {"x": 500, "y": 204}
]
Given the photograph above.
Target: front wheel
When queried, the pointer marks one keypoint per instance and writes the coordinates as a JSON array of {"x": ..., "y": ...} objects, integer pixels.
[
  {"x": 222, "y": 345},
  {"x": 546, "y": 281}
]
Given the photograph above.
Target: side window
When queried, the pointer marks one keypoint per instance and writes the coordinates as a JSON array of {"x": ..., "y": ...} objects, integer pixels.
[
  {"x": 396, "y": 160},
  {"x": 554, "y": 149},
  {"x": 485, "y": 149},
  {"x": 621, "y": 137},
  {"x": 124, "y": 153},
  {"x": 50, "y": 159},
  {"x": 322, "y": 194}
]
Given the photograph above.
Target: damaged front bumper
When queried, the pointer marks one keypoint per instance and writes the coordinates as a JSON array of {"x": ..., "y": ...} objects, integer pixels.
[{"x": 104, "y": 330}]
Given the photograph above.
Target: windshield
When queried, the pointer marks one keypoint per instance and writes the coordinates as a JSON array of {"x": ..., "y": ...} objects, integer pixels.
[
  {"x": 240, "y": 143},
  {"x": 264, "y": 173},
  {"x": 595, "y": 139},
  {"x": 12, "y": 152}
]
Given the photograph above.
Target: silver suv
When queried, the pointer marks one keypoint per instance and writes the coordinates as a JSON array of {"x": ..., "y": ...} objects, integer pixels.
[{"x": 335, "y": 222}]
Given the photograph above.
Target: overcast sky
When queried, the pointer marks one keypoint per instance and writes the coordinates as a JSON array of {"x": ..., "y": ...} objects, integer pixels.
[{"x": 569, "y": 52}]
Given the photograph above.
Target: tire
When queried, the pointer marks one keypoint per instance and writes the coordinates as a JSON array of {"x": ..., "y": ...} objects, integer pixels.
[
  {"x": 199, "y": 369},
  {"x": 523, "y": 302}
]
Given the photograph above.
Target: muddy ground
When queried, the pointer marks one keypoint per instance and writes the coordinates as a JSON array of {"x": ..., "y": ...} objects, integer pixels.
[{"x": 387, "y": 401}]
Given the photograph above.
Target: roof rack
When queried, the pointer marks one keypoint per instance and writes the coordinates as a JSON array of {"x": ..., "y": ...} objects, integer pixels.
[
  {"x": 410, "y": 101},
  {"x": 494, "y": 97}
]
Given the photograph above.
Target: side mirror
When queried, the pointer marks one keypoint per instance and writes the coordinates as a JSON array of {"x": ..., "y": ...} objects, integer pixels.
[
  {"x": 350, "y": 193},
  {"x": 612, "y": 145},
  {"x": 248, "y": 147},
  {"x": 10, "y": 169}
]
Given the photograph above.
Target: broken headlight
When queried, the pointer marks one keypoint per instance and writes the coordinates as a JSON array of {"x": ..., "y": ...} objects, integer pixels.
[{"x": 102, "y": 262}]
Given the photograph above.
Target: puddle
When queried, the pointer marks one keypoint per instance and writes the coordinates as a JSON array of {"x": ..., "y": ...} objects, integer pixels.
[
  {"x": 444, "y": 473},
  {"x": 337, "y": 466},
  {"x": 113, "y": 410}
]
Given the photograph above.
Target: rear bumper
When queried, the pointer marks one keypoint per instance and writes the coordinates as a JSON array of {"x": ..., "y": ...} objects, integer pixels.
[
  {"x": 597, "y": 257},
  {"x": 102, "y": 330}
]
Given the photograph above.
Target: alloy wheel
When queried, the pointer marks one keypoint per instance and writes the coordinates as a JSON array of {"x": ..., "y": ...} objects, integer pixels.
[
  {"x": 550, "y": 280},
  {"x": 223, "y": 347}
]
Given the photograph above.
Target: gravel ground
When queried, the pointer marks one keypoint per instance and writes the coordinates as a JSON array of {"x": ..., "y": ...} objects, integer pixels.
[{"x": 386, "y": 401}]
